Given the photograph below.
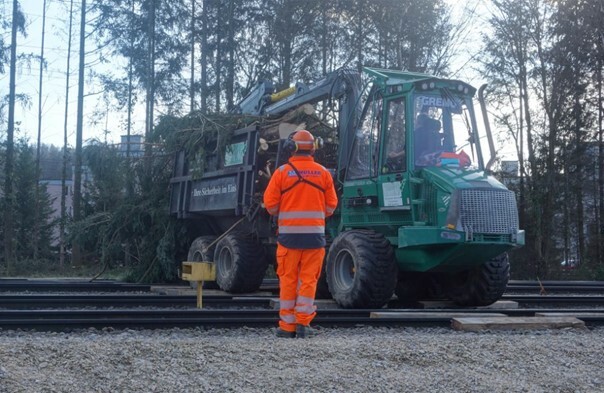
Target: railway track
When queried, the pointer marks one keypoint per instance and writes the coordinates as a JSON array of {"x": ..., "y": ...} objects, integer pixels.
[
  {"x": 166, "y": 318},
  {"x": 73, "y": 285},
  {"x": 29, "y": 301},
  {"x": 72, "y": 310},
  {"x": 549, "y": 287},
  {"x": 69, "y": 285},
  {"x": 233, "y": 313}
]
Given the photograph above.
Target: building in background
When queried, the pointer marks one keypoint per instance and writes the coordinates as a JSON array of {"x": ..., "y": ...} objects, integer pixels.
[{"x": 136, "y": 143}]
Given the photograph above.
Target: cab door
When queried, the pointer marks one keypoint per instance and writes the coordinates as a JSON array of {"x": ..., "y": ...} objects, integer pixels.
[
  {"x": 360, "y": 192},
  {"x": 393, "y": 184}
]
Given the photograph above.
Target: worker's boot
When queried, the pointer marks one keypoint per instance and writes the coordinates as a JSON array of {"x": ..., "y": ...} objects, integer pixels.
[
  {"x": 284, "y": 333},
  {"x": 305, "y": 331}
]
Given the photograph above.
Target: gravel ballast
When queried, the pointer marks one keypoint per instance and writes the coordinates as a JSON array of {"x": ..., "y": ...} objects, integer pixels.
[{"x": 360, "y": 359}]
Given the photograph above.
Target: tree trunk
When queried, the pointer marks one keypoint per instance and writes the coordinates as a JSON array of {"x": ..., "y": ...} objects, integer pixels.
[
  {"x": 36, "y": 235},
  {"x": 77, "y": 181},
  {"x": 218, "y": 63},
  {"x": 129, "y": 104},
  {"x": 360, "y": 41},
  {"x": 600, "y": 222},
  {"x": 324, "y": 41},
  {"x": 230, "y": 77},
  {"x": 204, "y": 58},
  {"x": 150, "y": 97},
  {"x": 9, "y": 230},
  {"x": 193, "y": 36},
  {"x": 551, "y": 137},
  {"x": 578, "y": 179},
  {"x": 63, "y": 220}
]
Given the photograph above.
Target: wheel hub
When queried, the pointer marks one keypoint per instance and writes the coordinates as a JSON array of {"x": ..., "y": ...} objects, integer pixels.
[
  {"x": 225, "y": 261},
  {"x": 344, "y": 269}
]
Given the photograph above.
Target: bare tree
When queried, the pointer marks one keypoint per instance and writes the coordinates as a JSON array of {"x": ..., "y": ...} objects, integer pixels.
[
  {"x": 9, "y": 235},
  {"x": 150, "y": 82},
  {"x": 193, "y": 42},
  {"x": 40, "y": 89},
  {"x": 63, "y": 220},
  {"x": 77, "y": 182}
]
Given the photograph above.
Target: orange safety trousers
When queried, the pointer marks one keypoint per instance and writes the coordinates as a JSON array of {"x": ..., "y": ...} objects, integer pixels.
[{"x": 298, "y": 271}]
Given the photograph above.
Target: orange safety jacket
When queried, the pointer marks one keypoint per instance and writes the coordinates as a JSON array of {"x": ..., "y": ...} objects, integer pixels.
[{"x": 301, "y": 194}]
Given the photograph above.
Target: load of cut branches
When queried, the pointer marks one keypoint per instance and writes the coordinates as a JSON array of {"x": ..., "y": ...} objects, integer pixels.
[{"x": 198, "y": 134}]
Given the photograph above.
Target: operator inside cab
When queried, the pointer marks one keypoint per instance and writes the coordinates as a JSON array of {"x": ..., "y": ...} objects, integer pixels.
[{"x": 428, "y": 139}]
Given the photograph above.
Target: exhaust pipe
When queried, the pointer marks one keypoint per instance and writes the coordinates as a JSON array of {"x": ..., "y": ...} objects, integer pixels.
[{"x": 487, "y": 126}]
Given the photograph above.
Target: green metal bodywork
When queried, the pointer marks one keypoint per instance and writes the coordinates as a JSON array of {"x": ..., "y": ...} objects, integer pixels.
[{"x": 412, "y": 207}]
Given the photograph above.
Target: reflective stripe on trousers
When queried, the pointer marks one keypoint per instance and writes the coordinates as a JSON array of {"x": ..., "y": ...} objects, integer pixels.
[
  {"x": 305, "y": 305},
  {"x": 298, "y": 271}
]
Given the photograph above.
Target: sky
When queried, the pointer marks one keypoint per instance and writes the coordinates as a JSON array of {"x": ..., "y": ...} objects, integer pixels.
[
  {"x": 54, "y": 79},
  {"x": 111, "y": 127}
]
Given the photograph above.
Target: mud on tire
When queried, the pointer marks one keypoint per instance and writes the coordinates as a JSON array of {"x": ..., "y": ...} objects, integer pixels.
[
  {"x": 240, "y": 264},
  {"x": 361, "y": 271}
]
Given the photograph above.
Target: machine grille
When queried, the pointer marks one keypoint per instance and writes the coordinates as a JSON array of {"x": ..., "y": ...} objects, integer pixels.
[{"x": 488, "y": 211}]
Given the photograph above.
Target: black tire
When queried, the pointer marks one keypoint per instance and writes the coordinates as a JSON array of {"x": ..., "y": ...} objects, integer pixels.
[
  {"x": 412, "y": 286},
  {"x": 200, "y": 252},
  {"x": 361, "y": 271},
  {"x": 480, "y": 286},
  {"x": 240, "y": 264},
  {"x": 322, "y": 287}
]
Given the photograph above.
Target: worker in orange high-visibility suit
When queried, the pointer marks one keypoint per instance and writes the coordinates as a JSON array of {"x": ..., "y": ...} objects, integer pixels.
[{"x": 301, "y": 193}]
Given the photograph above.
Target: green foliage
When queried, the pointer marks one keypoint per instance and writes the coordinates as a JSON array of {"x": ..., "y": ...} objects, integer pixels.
[
  {"x": 51, "y": 163},
  {"x": 240, "y": 42},
  {"x": 42, "y": 268},
  {"x": 6, "y": 23},
  {"x": 31, "y": 231},
  {"x": 541, "y": 60},
  {"x": 126, "y": 221},
  {"x": 198, "y": 134},
  {"x": 122, "y": 27},
  {"x": 599, "y": 273}
]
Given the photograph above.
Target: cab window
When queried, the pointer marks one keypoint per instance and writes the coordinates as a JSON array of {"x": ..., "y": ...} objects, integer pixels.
[
  {"x": 363, "y": 161},
  {"x": 395, "y": 145}
]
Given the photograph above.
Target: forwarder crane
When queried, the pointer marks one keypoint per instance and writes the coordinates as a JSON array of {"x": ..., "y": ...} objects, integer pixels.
[{"x": 419, "y": 215}]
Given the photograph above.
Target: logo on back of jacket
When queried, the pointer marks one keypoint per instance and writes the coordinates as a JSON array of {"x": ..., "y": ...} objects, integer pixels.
[{"x": 305, "y": 173}]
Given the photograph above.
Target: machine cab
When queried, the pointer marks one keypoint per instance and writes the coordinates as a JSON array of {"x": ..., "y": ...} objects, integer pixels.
[
  {"x": 421, "y": 122},
  {"x": 410, "y": 122}
]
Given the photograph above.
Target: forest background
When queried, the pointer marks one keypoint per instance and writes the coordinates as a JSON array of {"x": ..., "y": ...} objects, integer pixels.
[{"x": 148, "y": 59}]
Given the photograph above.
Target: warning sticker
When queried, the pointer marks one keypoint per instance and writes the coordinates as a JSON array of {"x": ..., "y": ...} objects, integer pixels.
[{"x": 392, "y": 193}]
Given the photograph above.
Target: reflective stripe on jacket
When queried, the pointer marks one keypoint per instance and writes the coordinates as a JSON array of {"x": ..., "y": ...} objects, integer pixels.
[{"x": 302, "y": 208}]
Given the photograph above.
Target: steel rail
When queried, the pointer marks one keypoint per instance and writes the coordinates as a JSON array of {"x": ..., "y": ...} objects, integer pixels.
[
  {"x": 73, "y": 285},
  {"x": 557, "y": 283},
  {"x": 556, "y": 288},
  {"x": 554, "y": 299},
  {"x": 227, "y": 300},
  {"x": 64, "y": 285},
  {"x": 153, "y": 319},
  {"x": 52, "y": 300},
  {"x": 251, "y": 313}
]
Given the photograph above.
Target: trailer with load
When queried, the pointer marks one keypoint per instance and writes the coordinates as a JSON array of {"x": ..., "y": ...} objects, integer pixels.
[{"x": 419, "y": 213}]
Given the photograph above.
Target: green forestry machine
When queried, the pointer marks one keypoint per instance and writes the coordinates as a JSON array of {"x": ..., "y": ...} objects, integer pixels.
[{"x": 419, "y": 215}]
